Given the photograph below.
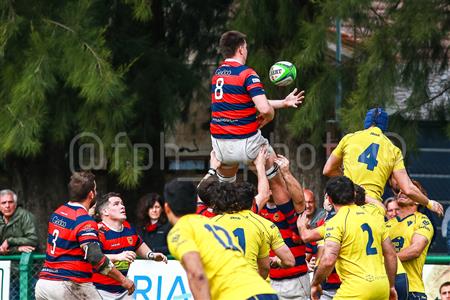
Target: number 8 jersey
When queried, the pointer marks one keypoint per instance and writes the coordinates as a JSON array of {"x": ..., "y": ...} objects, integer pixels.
[
  {"x": 369, "y": 158},
  {"x": 69, "y": 227},
  {"x": 233, "y": 112}
]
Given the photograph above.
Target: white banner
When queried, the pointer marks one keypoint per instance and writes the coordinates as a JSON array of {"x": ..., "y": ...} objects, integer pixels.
[
  {"x": 159, "y": 281},
  {"x": 5, "y": 269}
]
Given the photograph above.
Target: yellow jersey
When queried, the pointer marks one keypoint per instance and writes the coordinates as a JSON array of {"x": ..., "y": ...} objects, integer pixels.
[
  {"x": 360, "y": 263},
  {"x": 369, "y": 158},
  {"x": 378, "y": 212},
  {"x": 401, "y": 232},
  {"x": 229, "y": 275},
  {"x": 255, "y": 235}
]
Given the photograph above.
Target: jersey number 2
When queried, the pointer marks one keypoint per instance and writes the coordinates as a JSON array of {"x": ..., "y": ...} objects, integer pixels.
[
  {"x": 369, "y": 156},
  {"x": 369, "y": 249}
]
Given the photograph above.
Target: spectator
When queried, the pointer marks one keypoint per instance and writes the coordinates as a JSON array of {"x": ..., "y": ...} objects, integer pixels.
[
  {"x": 17, "y": 226},
  {"x": 444, "y": 291},
  {"x": 313, "y": 214},
  {"x": 153, "y": 226},
  {"x": 392, "y": 208}
]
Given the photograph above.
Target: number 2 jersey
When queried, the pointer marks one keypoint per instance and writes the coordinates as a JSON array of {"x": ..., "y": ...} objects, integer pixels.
[
  {"x": 69, "y": 227},
  {"x": 360, "y": 263},
  {"x": 369, "y": 158},
  {"x": 233, "y": 112},
  {"x": 229, "y": 275}
]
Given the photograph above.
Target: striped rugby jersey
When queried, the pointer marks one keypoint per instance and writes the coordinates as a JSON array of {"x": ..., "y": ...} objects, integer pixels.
[
  {"x": 284, "y": 217},
  {"x": 115, "y": 242},
  {"x": 69, "y": 228},
  {"x": 233, "y": 112}
]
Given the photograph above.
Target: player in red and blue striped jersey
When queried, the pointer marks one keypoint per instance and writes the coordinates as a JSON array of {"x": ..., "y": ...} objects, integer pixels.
[
  {"x": 120, "y": 243},
  {"x": 73, "y": 250},
  {"x": 239, "y": 108}
]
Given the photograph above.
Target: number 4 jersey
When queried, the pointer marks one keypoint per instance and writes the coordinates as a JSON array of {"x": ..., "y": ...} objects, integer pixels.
[
  {"x": 229, "y": 275},
  {"x": 69, "y": 227},
  {"x": 369, "y": 158}
]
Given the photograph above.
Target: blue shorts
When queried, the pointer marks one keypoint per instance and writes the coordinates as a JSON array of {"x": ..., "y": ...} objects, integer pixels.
[
  {"x": 264, "y": 297},
  {"x": 401, "y": 286},
  {"x": 417, "y": 296}
]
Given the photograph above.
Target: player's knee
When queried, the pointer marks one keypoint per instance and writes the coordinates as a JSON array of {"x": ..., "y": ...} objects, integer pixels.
[
  {"x": 229, "y": 179},
  {"x": 272, "y": 171}
]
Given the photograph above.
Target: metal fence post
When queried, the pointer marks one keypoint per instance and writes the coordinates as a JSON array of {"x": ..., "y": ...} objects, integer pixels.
[{"x": 24, "y": 271}]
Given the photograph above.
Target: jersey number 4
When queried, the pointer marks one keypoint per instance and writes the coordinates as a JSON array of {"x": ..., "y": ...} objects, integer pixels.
[{"x": 369, "y": 156}]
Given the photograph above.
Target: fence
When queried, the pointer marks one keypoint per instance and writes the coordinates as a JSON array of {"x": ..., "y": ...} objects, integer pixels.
[{"x": 25, "y": 270}]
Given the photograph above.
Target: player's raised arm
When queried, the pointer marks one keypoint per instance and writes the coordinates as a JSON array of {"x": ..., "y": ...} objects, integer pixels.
[
  {"x": 263, "y": 183},
  {"x": 198, "y": 282},
  {"x": 292, "y": 184},
  {"x": 294, "y": 99},
  {"x": 413, "y": 192}
]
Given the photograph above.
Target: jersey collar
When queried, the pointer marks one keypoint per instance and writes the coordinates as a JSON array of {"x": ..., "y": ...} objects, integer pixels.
[{"x": 76, "y": 204}]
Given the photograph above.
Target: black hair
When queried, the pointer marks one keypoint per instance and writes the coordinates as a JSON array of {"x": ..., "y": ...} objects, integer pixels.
[
  {"x": 144, "y": 204},
  {"x": 204, "y": 190},
  {"x": 232, "y": 197},
  {"x": 102, "y": 202},
  {"x": 230, "y": 41},
  {"x": 181, "y": 196},
  {"x": 443, "y": 285},
  {"x": 360, "y": 195},
  {"x": 341, "y": 190}
]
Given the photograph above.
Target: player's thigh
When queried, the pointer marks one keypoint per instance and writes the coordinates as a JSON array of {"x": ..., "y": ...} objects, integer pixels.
[
  {"x": 293, "y": 288},
  {"x": 254, "y": 143},
  {"x": 74, "y": 290},
  {"x": 229, "y": 151}
]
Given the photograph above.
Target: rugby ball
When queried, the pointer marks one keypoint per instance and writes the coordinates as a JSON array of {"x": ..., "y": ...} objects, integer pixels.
[{"x": 282, "y": 73}]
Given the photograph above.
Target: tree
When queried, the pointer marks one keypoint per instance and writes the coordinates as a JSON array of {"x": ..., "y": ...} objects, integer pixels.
[{"x": 394, "y": 44}]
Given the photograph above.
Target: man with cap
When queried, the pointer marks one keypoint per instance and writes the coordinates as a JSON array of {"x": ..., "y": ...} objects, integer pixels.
[{"x": 369, "y": 158}]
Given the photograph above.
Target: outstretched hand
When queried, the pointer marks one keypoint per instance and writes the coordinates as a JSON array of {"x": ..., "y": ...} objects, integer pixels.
[{"x": 294, "y": 99}]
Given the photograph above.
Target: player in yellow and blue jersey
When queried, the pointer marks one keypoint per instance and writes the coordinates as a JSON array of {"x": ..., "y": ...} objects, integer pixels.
[
  {"x": 370, "y": 158},
  {"x": 255, "y": 235},
  {"x": 411, "y": 232},
  {"x": 361, "y": 250},
  {"x": 215, "y": 266}
]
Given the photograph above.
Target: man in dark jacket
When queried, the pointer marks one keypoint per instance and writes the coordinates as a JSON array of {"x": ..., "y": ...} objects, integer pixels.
[{"x": 17, "y": 226}]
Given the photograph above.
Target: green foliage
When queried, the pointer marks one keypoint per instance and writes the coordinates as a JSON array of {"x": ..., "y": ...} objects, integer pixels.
[
  {"x": 100, "y": 67},
  {"x": 399, "y": 46}
]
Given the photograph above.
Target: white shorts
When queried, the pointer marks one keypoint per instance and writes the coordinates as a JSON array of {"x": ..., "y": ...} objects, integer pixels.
[
  {"x": 235, "y": 151},
  {"x": 65, "y": 290},
  {"x": 114, "y": 296},
  {"x": 328, "y": 294},
  {"x": 298, "y": 288}
]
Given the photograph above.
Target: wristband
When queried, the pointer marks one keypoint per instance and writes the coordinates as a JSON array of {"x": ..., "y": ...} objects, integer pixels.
[
  {"x": 430, "y": 204},
  {"x": 212, "y": 171},
  {"x": 151, "y": 255}
]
